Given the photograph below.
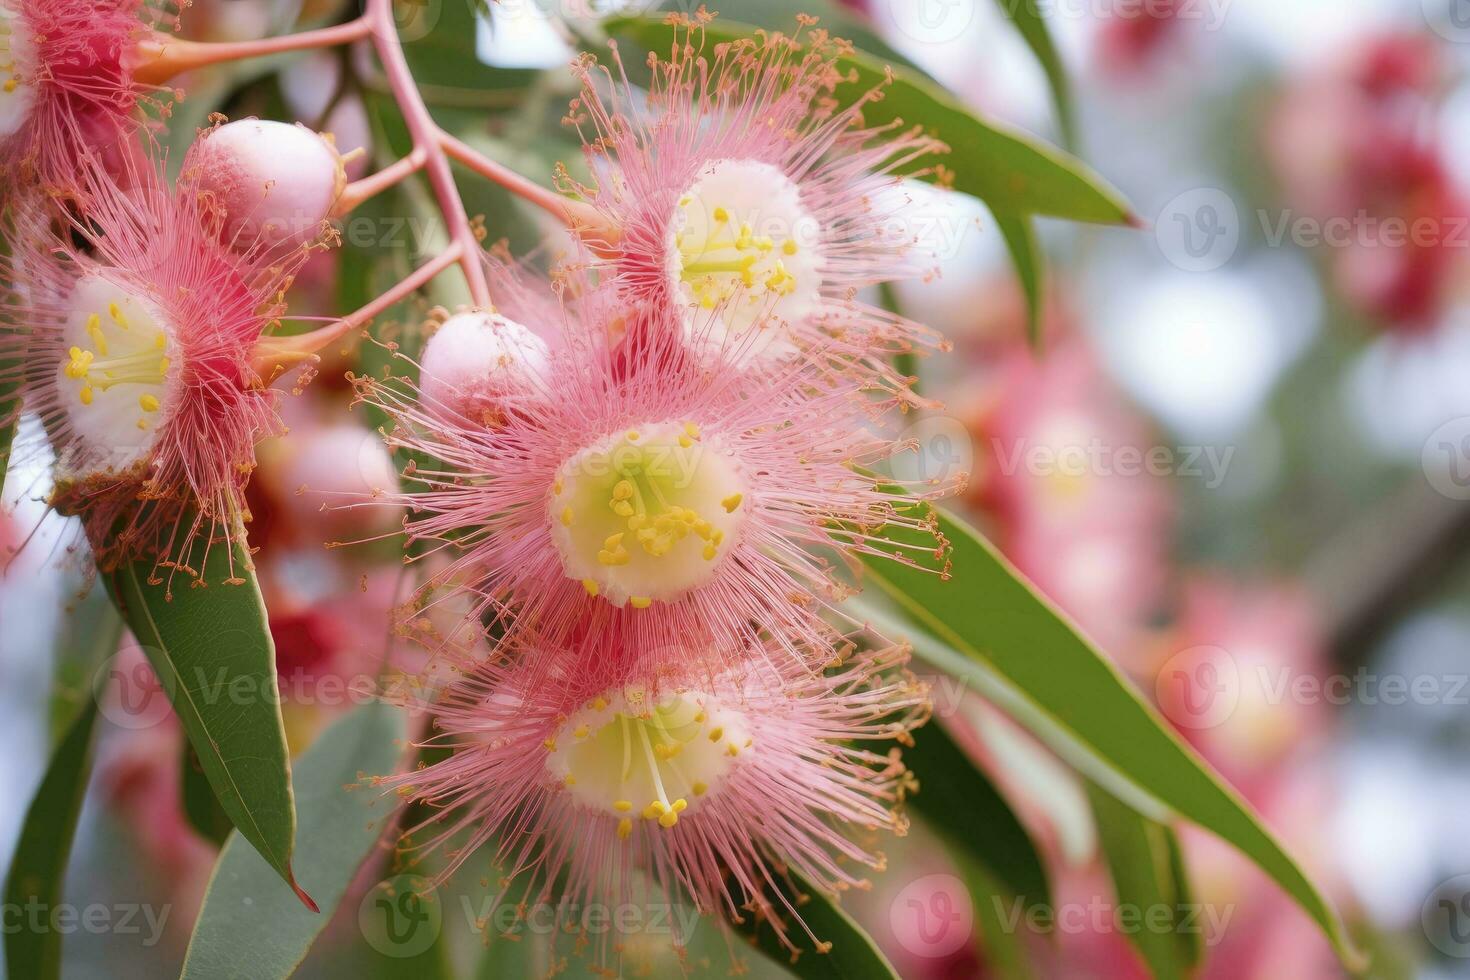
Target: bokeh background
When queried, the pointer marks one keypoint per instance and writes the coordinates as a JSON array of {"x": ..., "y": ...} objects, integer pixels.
[{"x": 1240, "y": 458}]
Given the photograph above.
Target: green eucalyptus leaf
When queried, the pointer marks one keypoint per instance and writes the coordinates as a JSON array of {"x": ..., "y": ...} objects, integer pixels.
[
  {"x": 38, "y": 866},
  {"x": 251, "y": 926},
  {"x": 201, "y": 808},
  {"x": 1026, "y": 16},
  {"x": 957, "y": 799},
  {"x": 1142, "y": 856},
  {"x": 970, "y": 612},
  {"x": 212, "y": 651},
  {"x": 848, "y": 952},
  {"x": 1019, "y": 233}
]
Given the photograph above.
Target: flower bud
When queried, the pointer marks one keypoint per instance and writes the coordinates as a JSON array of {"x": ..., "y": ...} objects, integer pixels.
[
  {"x": 274, "y": 182},
  {"x": 481, "y": 363}
]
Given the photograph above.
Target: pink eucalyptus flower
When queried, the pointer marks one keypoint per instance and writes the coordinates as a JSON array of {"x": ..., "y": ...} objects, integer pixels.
[
  {"x": 714, "y": 786},
  {"x": 627, "y": 494},
  {"x": 130, "y": 331},
  {"x": 1064, "y": 478},
  {"x": 66, "y": 80},
  {"x": 749, "y": 195}
]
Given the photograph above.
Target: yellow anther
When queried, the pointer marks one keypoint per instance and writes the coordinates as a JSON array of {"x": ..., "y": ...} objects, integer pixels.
[
  {"x": 789, "y": 246},
  {"x": 148, "y": 403},
  {"x": 570, "y": 780},
  {"x": 622, "y": 508},
  {"x": 637, "y": 522},
  {"x": 623, "y": 491},
  {"x": 685, "y": 442},
  {"x": 94, "y": 330},
  {"x": 582, "y": 732},
  {"x": 668, "y": 819},
  {"x": 732, "y": 750},
  {"x": 625, "y": 829},
  {"x": 710, "y": 552},
  {"x": 599, "y": 704},
  {"x": 731, "y": 502},
  {"x": 10, "y": 86},
  {"x": 722, "y": 215},
  {"x": 623, "y": 806},
  {"x": 640, "y": 602},
  {"x": 566, "y": 516},
  {"x": 590, "y": 586},
  {"x": 115, "y": 311},
  {"x": 632, "y": 435},
  {"x": 680, "y": 805},
  {"x": 715, "y": 734},
  {"x": 614, "y": 541},
  {"x": 550, "y": 744},
  {"x": 700, "y": 788},
  {"x": 86, "y": 395},
  {"x": 142, "y": 425},
  {"x": 691, "y": 430}
]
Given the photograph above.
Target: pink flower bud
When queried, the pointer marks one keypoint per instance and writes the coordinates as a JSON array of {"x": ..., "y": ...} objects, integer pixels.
[
  {"x": 274, "y": 182},
  {"x": 482, "y": 362}
]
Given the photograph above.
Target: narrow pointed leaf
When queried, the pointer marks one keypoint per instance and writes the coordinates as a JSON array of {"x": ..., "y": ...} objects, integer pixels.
[
  {"x": 1141, "y": 855},
  {"x": 38, "y": 867},
  {"x": 1026, "y": 16},
  {"x": 959, "y": 801},
  {"x": 212, "y": 651},
  {"x": 1011, "y": 171},
  {"x": 995, "y": 907},
  {"x": 250, "y": 925},
  {"x": 1019, "y": 233},
  {"x": 201, "y": 808},
  {"x": 985, "y": 623},
  {"x": 852, "y": 955}
]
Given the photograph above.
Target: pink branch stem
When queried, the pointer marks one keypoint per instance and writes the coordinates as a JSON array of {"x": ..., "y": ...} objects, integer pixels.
[
  {"x": 572, "y": 213},
  {"x": 360, "y": 191},
  {"x": 160, "y": 57},
  {"x": 426, "y": 137},
  {"x": 276, "y": 353}
]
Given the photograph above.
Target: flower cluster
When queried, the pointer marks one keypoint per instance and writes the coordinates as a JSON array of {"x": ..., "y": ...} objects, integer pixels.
[
  {"x": 133, "y": 306},
  {"x": 652, "y": 478}
]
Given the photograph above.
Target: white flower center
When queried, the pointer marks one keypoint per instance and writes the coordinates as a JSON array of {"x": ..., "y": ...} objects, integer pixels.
[
  {"x": 17, "y": 71},
  {"x": 116, "y": 377},
  {"x": 647, "y": 514},
  {"x": 631, "y": 756},
  {"x": 744, "y": 255}
]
